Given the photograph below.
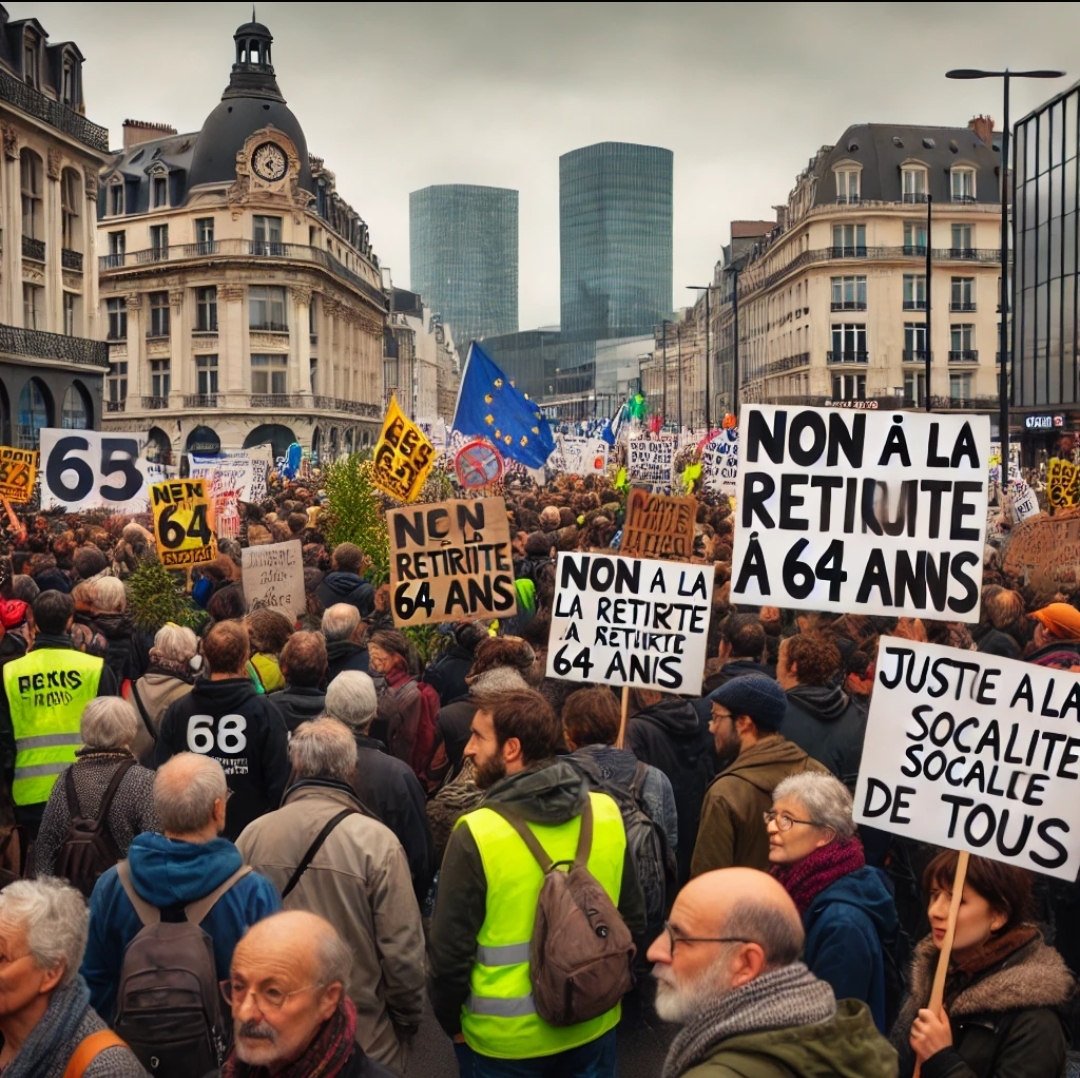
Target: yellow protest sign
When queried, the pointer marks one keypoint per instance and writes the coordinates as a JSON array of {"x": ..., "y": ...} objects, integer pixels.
[
  {"x": 1062, "y": 483},
  {"x": 183, "y": 523},
  {"x": 18, "y": 468},
  {"x": 403, "y": 456}
]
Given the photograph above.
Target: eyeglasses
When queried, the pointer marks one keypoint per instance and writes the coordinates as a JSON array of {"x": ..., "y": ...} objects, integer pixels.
[
  {"x": 673, "y": 939},
  {"x": 783, "y": 821},
  {"x": 272, "y": 999}
]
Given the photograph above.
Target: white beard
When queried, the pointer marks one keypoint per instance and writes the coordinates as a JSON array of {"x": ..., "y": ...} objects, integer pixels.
[{"x": 679, "y": 1002}]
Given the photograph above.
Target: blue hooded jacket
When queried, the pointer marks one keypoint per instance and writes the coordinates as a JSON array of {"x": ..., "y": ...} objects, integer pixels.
[
  {"x": 167, "y": 872},
  {"x": 847, "y": 927}
]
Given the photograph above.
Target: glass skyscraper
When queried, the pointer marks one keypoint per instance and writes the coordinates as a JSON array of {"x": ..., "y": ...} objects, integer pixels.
[
  {"x": 463, "y": 250},
  {"x": 615, "y": 210}
]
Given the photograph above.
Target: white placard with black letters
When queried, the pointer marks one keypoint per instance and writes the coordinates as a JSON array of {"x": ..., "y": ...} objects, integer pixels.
[{"x": 94, "y": 469}]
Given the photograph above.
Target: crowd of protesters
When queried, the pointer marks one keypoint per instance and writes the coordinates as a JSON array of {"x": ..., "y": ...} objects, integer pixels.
[{"x": 341, "y": 824}]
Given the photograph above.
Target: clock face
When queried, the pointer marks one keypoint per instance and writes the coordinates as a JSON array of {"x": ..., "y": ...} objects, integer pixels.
[{"x": 269, "y": 161}]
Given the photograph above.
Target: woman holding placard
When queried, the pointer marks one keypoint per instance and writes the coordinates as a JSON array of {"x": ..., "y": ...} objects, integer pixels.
[
  {"x": 1004, "y": 989},
  {"x": 846, "y": 905}
]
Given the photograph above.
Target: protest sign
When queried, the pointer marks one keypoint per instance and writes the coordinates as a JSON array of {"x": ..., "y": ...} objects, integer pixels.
[
  {"x": 478, "y": 464},
  {"x": 451, "y": 561},
  {"x": 1062, "y": 483},
  {"x": 583, "y": 456},
  {"x": 91, "y": 469},
  {"x": 630, "y": 621},
  {"x": 273, "y": 576},
  {"x": 1049, "y": 546},
  {"x": 720, "y": 462},
  {"x": 650, "y": 462},
  {"x": 403, "y": 456},
  {"x": 658, "y": 526},
  {"x": 974, "y": 752},
  {"x": 1025, "y": 503},
  {"x": 843, "y": 512},
  {"x": 183, "y": 523},
  {"x": 18, "y": 469}
]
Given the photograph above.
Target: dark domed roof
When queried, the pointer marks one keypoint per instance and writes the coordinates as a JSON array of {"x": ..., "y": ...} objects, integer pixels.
[{"x": 250, "y": 102}]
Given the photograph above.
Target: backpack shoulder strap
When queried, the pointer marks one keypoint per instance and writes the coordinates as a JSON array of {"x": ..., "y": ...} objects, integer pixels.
[
  {"x": 637, "y": 783},
  {"x": 584, "y": 845},
  {"x": 313, "y": 849},
  {"x": 74, "y": 810},
  {"x": 106, "y": 804},
  {"x": 196, "y": 911},
  {"x": 142, "y": 709},
  {"x": 147, "y": 913},
  {"x": 89, "y": 1049},
  {"x": 522, "y": 828}
]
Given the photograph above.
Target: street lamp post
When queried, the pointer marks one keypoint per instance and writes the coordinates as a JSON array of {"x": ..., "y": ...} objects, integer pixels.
[
  {"x": 1003, "y": 343},
  {"x": 664, "y": 405},
  {"x": 678, "y": 360},
  {"x": 735, "y": 343},
  {"x": 706, "y": 288}
]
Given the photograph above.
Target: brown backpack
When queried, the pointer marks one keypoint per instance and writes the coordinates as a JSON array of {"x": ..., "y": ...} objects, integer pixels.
[{"x": 581, "y": 954}]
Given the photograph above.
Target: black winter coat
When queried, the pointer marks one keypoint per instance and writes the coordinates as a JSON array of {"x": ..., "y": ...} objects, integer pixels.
[
  {"x": 338, "y": 587},
  {"x": 298, "y": 704},
  {"x": 453, "y": 727},
  {"x": 446, "y": 675},
  {"x": 240, "y": 729},
  {"x": 828, "y": 726},
  {"x": 344, "y": 655}
]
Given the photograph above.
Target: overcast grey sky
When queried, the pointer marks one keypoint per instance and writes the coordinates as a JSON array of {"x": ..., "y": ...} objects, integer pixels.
[{"x": 399, "y": 96}]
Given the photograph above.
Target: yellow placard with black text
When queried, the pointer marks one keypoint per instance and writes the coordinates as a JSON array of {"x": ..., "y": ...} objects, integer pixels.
[
  {"x": 18, "y": 469},
  {"x": 403, "y": 456},
  {"x": 183, "y": 523}
]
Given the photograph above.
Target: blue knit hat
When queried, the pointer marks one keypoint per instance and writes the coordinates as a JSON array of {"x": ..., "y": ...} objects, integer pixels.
[{"x": 754, "y": 695}]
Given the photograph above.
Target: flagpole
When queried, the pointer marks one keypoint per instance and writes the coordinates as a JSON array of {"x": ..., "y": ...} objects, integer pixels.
[{"x": 461, "y": 386}]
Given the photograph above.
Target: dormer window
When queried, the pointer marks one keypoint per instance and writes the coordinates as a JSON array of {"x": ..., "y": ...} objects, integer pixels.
[
  {"x": 847, "y": 185},
  {"x": 30, "y": 61},
  {"x": 69, "y": 82},
  {"x": 962, "y": 184},
  {"x": 159, "y": 184},
  {"x": 913, "y": 183},
  {"x": 116, "y": 198}
]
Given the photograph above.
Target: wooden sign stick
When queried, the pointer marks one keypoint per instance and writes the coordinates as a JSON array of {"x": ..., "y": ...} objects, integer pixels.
[
  {"x": 937, "y": 992},
  {"x": 622, "y": 720}
]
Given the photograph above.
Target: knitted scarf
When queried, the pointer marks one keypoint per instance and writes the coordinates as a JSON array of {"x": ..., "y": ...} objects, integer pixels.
[
  {"x": 783, "y": 998},
  {"x": 50, "y": 1042},
  {"x": 806, "y": 879},
  {"x": 325, "y": 1057}
]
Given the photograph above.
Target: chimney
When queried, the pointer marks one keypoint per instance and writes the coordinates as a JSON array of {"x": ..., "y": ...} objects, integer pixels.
[
  {"x": 983, "y": 126},
  {"x": 136, "y": 131}
]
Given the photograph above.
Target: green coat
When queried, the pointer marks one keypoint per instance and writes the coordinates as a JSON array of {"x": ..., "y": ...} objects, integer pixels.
[{"x": 847, "y": 1046}]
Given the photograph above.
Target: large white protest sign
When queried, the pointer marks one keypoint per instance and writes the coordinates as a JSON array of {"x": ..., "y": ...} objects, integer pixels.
[
  {"x": 852, "y": 512},
  {"x": 583, "y": 456},
  {"x": 974, "y": 752},
  {"x": 90, "y": 469},
  {"x": 720, "y": 462},
  {"x": 273, "y": 576},
  {"x": 650, "y": 462},
  {"x": 630, "y": 621}
]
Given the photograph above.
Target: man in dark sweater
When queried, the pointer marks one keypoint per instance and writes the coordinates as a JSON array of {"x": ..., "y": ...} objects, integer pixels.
[
  {"x": 344, "y": 584},
  {"x": 303, "y": 665},
  {"x": 342, "y": 628}
]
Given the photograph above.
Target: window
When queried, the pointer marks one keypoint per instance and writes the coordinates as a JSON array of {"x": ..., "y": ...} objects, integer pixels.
[
  {"x": 30, "y": 61},
  {"x": 849, "y": 241},
  {"x": 963, "y": 294},
  {"x": 204, "y": 235},
  {"x": 914, "y": 237},
  {"x": 915, "y": 388},
  {"x": 849, "y": 293},
  {"x": 69, "y": 82},
  {"x": 117, "y": 312},
  {"x": 849, "y": 387},
  {"x": 70, "y": 300},
  {"x": 313, "y": 369},
  {"x": 34, "y": 411},
  {"x": 160, "y": 191},
  {"x": 116, "y": 198},
  {"x": 73, "y": 411},
  {"x": 117, "y": 247},
  {"x": 269, "y": 374},
  {"x": 914, "y": 341},
  {"x": 266, "y": 308},
  {"x": 962, "y": 185},
  {"x": 159, "y": 314},
  {"x": 848, "y": 343},
  {"x": 159, "y": 242},
  {"x": 206, "y": 310},
  {"x": 961, "y": 242},
  {"x": 30, "y": 176},
  {"x": 206, "y": 371},
  {"x": 959, "y": 387},
  {"x": 847, "y": 185},
  {"x": 962, "y": 343},
  {"x": 266, "y": 236},
  {"x": 33, "y": 306},
  {"x": 116, "y": 385},
  {"x": 312, "y": 321},
  {"x": 914, "y": 184},
  {"x": 160, "y": 378},
  {"x": 914, "y": 291},
  {"x": 70, "y": 200}
]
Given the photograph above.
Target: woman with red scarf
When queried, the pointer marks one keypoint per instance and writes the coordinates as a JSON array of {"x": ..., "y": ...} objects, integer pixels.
[{"x": 846, "y": 906}]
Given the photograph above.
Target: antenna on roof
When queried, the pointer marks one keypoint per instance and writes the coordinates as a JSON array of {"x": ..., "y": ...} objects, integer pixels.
[{"x": 253, "y": 19}]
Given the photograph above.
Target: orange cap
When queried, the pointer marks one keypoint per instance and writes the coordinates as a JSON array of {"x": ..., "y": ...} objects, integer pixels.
[{"x": 1060, "y": 620}]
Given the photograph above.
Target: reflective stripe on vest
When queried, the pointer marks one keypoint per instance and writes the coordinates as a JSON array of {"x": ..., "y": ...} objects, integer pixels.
[
  {"x": 499, "y": 1018},
  {"x": 47, "y": 691}
]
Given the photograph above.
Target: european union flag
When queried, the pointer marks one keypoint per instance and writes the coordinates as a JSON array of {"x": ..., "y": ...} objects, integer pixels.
[{"x": 490, "y": 407}]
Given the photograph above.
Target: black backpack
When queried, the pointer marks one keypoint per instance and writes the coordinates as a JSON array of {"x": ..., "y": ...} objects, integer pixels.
[{"x": 89, "y": 849}]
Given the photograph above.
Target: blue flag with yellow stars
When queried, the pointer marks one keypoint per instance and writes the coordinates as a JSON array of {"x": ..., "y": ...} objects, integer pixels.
[{"x": 490, "y": 407}]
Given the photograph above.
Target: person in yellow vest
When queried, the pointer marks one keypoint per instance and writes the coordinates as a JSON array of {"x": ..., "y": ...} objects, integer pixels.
[
  {"x": 45, "y": 692},
  {"x": 489, "y": 887}
]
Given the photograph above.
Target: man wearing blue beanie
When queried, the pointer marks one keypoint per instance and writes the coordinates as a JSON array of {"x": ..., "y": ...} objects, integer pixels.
[{"x": 746, "y": 717}]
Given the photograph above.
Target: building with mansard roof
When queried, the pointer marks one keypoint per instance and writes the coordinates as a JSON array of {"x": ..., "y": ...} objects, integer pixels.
[{"x": 242, "y": 300}]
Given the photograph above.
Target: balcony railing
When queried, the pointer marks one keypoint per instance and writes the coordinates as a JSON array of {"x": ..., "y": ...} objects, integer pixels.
[
  {"x": 71, "y": 260},
  {"x": 336, "y": 404},
  {"x": 201, "y": 400},
  {"x": 965, "y": 305},
  {"x": 914, "y": 250},
  {"x": 277, "y": 400},
  {"x": 178, "y": 252},
  {"x": 915, "y": 355},
  {"x": 788, "y": 363},
  {"x": 849, "y": 251},
  {"x": 36, "y": 104},
  {"x": 847, "y": 357},
  {"x": 964, "y": 355},
  {"x": 914, "y": 197},
  {"x": 38, "y": 344},
  {"x": 115, "y": 406},
  {"x": 34, "y": 249},
  {"x": 963, "y": 198},
  {"x": 849, "y": 305},
  {"x": 155, "y": 404},
  {"x": 973, "y": 403},
  {"x": 966, "y": 253},
  {"x": 847, "y": 200},
  {"x": 914, "y": 305},
  {"x": 269, "y": 327}
]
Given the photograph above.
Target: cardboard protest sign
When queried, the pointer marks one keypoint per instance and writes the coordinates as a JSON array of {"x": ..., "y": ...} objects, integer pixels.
[
  {"x": 1049, "y": 546},
  {"x": 630, "y": 621},
  {"x": 720, "y": 462},
  {"x": 183, "y": 523},
  {"x": 403, "y": 456},
  {"x": 451, "y": 561},
  {"x": 273, "y": 576},
  {"x": 658, "y": 526},
  {"x": 1025, "y": 503},
  {"x": 18, "y": 469},
  {"x": 583, "y": 456},
  {"x": 841, "y": 511},
  {"x": 92, "y": 469},
  {"x": 1062, "y": 483},
  {"x": 974, "y": 752},
  {"x": 650, "y": 462}
]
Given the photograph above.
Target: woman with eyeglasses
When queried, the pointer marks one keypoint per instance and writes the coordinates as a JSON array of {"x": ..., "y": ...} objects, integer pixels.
[{"x": 846, "y": 906}]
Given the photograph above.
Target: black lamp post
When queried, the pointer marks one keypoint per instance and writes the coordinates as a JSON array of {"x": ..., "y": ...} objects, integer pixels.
[
  {"x": 706, "y": 288},
  {"x": 1003, "y": 344}
]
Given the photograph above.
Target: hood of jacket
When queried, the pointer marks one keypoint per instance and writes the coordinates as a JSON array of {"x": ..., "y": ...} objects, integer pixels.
[
  {"x": 168, "y": 872},
  {"x": 115, "y": 626},
  {"x": 827, "y": 703},
  {"x": 765, "y": 764},
  {"x": 343, "y": 584},
  {"x": 550, "y": 794},
  {"x": 338, "y": 649},
  {"x": 866, "y": 889},
  {"x": 677, "y": 718},
  {"x": 227, "y": 693}
]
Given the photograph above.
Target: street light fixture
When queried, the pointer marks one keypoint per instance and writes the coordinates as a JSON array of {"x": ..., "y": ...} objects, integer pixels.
[
  {"x": 706, "y": 288},
  {"x": 1003, "y": 343}
]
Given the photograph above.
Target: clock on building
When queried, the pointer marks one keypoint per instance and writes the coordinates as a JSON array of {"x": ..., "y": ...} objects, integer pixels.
[{"x": 269, "y": 161}]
